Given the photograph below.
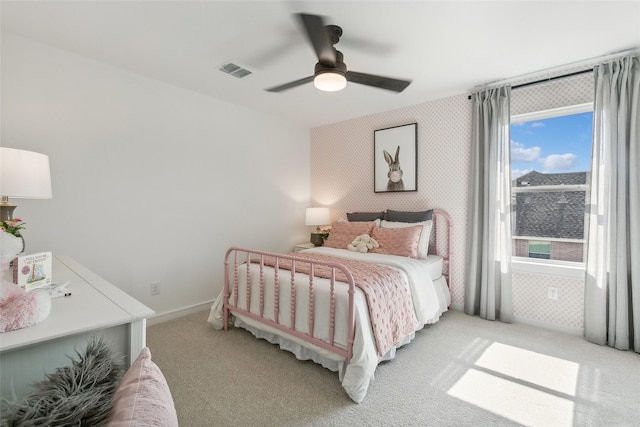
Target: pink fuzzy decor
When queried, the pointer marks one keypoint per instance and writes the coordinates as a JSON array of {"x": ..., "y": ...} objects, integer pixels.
[{"x": 20, "y": 309}]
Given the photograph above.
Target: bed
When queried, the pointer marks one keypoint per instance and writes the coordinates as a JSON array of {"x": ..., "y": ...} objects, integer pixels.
[{"x": 345, "y": 310}]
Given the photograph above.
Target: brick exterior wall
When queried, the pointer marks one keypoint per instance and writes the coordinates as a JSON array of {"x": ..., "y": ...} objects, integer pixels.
[
  {"x": 560, "y": 251},
  {"x": 567, "y": 251},
  {"x": 520, "y": 248}
]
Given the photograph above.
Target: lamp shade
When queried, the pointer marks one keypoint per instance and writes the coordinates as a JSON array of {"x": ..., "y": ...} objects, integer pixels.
[
  {"x": 317, "y": 216},
  {"x": 24, "y": 174}
]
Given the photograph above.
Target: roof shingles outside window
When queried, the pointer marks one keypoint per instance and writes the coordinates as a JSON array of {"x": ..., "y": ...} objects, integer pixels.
[{"x": 552, "y": 214}]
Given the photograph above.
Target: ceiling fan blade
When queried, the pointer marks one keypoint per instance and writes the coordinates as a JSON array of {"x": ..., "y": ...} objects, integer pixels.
[
  {"x": 290, "y": 84},
  {"x": 314, "y": 27},
  {"x": 388, "y": 83}
]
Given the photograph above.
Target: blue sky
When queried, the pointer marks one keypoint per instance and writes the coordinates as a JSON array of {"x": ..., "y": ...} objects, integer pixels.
[{"x": 554, "y": 145}]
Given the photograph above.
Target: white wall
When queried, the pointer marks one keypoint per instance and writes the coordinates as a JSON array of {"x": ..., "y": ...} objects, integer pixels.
[{"x": 151, "y": 182}]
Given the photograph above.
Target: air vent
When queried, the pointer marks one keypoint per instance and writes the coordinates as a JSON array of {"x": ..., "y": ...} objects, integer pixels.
[{"x": 234, "y": 70}]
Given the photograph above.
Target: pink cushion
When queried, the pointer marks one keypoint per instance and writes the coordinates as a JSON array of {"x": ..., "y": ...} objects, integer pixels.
[
  {"x": 423, "y": 245},
  {"x": 398, "y": 241},
  {"x": 343, "y": 232},
  {"x": 143, "y": 397}
]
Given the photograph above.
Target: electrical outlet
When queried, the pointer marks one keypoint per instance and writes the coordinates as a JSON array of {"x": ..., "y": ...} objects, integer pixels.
[
  {"x": 155, "y": 288},
  {"x": 552, "y": 292}
]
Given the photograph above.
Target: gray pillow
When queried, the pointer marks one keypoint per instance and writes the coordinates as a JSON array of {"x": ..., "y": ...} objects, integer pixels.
[
  {"x": 364, "y": 216},
  {"x": 80, "y": 394},
  {"x": 409, "y": 216}
]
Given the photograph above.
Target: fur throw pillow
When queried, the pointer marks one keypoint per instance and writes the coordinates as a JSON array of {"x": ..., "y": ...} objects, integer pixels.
[{"x": 80, "y": 394}]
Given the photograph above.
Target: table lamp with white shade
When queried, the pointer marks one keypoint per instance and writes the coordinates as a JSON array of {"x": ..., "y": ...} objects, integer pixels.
[
  {"x": 23, "y": 175},
  {"x": 317, "y": 217}
]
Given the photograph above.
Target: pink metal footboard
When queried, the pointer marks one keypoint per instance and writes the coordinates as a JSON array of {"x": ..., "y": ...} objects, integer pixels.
[
  {"x": 243, "y": 258},
  {"x": 442, "y": 245}
]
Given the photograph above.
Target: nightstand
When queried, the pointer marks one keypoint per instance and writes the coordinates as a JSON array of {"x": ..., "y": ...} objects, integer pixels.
[{"x": 302, "y": 247}]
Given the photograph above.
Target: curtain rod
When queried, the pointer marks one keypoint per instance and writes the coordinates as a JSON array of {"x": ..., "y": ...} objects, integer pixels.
[
  {"x": 549, "y": 79},
  {"x": 576, "y": 73},
  {"x": 592, "y": 62}
]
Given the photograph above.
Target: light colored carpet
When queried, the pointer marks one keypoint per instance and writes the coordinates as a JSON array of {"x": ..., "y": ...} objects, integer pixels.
[{"x": 462, "y": 371}]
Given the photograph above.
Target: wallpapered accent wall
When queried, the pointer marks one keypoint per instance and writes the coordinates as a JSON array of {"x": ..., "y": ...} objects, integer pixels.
[
  {"x": 342, "y": 167},
  {"x": 530, "y": 300},
  {"x": 342, "y": 178}
]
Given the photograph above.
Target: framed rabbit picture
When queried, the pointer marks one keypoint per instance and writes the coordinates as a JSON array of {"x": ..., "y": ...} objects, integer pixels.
[{"x": 395, "y": 166}]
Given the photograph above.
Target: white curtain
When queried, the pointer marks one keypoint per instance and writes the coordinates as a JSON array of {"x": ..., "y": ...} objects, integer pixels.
[
  {"x": 612, "y": 292},
  {"x": 488, "y": 286}
]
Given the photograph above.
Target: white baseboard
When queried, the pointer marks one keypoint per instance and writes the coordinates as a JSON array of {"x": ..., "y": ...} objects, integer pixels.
[
  {"x": 457, "y": 307},
  {"x": 179, "y": 312},
  {"x": 174, "y": 314},
  {"x": 537, "y": 323},
  {"x": 550, "y": 326}
]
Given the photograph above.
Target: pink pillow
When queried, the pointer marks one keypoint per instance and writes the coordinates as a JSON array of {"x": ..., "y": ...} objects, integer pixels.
[
  {"x": 398, "y": 241},
  {"x": 143, "y": 398},
  {"x": 343, "y": 232},
  {"x": 423, "y": 245}
]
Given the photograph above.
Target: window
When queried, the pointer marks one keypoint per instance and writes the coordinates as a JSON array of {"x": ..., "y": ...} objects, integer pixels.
[
  {"x": 550, "y": 165},
  {"x": 539, "y": 249}
]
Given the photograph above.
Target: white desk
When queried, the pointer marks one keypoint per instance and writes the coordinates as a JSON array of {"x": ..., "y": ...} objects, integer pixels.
[{"x": 95, "y": 308}]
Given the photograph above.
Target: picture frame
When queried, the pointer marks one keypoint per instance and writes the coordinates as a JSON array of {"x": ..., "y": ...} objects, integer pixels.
[{"x": 395, "y": 159}]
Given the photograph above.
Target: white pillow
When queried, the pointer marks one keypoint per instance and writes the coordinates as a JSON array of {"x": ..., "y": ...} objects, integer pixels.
[{"x": 423, "y": 244}]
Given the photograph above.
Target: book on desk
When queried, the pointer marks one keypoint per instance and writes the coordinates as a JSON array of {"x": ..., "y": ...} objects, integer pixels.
[{"x": 33, "y": 271}]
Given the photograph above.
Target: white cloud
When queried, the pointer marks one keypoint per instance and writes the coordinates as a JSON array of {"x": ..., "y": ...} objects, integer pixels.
[
  {"x": 519, "y": 153},
  {"x": 537, "y": 124},
  {"x": 559, "y": 162}
]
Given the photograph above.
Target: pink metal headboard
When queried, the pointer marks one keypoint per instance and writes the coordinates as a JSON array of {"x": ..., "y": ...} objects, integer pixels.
[{"x": 442, "y": 219}]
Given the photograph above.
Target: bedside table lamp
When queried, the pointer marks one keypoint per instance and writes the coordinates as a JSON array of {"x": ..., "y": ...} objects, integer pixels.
[
  {"x": 23, "y": 175},
  {"x": 317, "y": 217}
]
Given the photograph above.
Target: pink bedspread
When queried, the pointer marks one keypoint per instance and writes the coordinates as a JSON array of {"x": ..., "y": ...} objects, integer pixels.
[{"x": 388, "y": 297}]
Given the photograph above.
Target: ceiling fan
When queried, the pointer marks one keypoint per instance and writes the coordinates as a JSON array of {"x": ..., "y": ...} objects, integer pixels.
[{"x": 331, "y": 72}]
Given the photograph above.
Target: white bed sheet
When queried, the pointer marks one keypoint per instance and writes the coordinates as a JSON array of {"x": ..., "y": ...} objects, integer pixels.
[
  {"x": 430, "y": 299},
  {"x": 434, "y": 264}
]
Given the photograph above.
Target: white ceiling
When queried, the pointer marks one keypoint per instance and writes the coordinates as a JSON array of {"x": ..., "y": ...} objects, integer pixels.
[{"x": 444, "y": 47}]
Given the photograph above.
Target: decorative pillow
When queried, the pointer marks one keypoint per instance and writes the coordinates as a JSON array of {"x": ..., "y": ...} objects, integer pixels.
[
  {"x": 77, "y": 395},
  {"x": 398, "y": 241},
  {"x": 343, "y": 232},
  {"x": 143, "y": 397},
  {"x": 423, "y": 244},
  {"x": 364, "y": 216},
  {"x": 408, "y": 216}
]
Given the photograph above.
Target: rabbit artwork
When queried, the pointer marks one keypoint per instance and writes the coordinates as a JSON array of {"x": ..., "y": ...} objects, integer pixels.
[{"x": 395, "y": 172}]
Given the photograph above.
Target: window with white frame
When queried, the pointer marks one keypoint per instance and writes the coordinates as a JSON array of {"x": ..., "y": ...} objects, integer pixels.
[{"x": 550, "y": 166}]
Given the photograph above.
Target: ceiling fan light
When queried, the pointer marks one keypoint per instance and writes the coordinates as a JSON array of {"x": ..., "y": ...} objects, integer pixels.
[{"x": 330, "y": 81}]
